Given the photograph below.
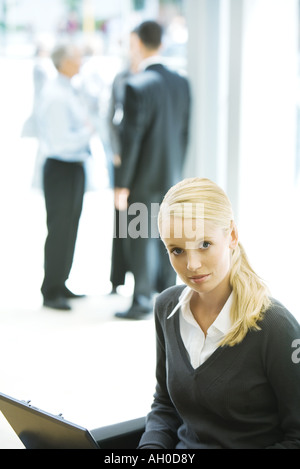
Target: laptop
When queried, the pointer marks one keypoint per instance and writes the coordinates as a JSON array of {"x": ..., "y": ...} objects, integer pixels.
[{"x": 40, "y": 430}]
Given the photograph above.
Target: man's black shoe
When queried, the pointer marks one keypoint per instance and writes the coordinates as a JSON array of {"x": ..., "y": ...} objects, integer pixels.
[
  {"x": 57, "y": 303},
  {"x": 70, "y": 295},
  {"x": 134, "y": 314}
]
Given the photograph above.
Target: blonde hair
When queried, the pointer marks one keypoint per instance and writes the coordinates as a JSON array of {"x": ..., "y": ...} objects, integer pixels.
[{"x": 250, "y": 294}]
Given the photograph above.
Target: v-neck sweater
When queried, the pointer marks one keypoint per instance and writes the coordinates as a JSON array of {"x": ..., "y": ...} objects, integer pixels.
[{"x": 244, "y": 396}]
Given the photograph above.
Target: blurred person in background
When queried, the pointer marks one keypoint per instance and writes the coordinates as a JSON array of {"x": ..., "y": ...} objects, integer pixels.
[
  {"x": 43, "y": 71},
  {"x": 64, "y": 134},
  {"x": 94, "y": 85},
  {"x": 153, "y": 145},
  {"x": 119, "y": 266}
]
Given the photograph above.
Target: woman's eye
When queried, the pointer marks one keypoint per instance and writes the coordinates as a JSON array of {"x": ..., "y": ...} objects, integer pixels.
[
  {"x": 177, "y": 251},
  {"x": 205, "y": 245}
]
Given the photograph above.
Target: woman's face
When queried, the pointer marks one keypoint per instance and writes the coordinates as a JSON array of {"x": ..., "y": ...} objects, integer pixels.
[{"x": 200, "y": 253}]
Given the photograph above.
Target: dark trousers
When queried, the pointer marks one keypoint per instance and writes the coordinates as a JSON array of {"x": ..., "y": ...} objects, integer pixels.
[
  {"x": 119, "y": 267},
  {"x": 63, "y": 189},
  {"x": 151, "y": 269},
  {"x": 148, "y": 260}
]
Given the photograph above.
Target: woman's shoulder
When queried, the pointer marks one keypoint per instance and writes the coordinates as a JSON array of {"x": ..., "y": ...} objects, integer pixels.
[
  {"x": 278, "y": 317},
  {"x": 168, "y": 299}
]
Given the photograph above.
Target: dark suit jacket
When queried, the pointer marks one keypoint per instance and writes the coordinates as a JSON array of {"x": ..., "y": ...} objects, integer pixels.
[{"x": 155, "y": 133}]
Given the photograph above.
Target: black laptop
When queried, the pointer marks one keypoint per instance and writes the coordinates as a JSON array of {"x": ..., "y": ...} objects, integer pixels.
[{"x": 39, "y": 430}]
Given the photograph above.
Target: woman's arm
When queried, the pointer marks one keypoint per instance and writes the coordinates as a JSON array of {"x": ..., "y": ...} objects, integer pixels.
[
  {"x": 163, "y": 420},
  {"x": 283, "y": 372}
]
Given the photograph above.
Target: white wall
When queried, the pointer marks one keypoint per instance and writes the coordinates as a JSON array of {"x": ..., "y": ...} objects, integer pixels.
[
  {"x": 244, "y": 125},
  {"x": 268, "y": 214}
]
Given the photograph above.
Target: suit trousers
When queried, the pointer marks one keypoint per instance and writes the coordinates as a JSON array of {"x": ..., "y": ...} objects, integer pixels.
[
  {"x": 119, "y": 267},
  {"x": 148, "y": 260},
  {"x": 63, "y": 190}
]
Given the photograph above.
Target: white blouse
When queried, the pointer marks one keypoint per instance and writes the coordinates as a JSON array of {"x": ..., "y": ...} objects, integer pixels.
[{"x": 198, "y": 346}]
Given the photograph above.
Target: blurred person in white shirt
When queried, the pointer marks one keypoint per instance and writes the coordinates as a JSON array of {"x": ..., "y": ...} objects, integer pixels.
[{"x": 64, "y": 135}]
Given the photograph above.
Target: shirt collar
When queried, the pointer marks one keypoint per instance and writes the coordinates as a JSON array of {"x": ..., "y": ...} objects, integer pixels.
[
  {"x": 185, "y": 295},
  {"x": 153, "y": 60},
  {"x": 223, "y": 321}
]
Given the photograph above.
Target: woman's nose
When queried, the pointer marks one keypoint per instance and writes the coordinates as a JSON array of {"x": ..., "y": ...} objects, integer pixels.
[{"x": 194, "y": 260}]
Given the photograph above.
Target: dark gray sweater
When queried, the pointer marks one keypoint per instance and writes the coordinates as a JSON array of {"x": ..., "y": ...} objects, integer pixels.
[{"x": 245, "y": 396}]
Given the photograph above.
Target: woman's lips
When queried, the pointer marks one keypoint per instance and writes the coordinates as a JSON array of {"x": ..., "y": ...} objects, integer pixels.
[{"x": 199, "y": 278}]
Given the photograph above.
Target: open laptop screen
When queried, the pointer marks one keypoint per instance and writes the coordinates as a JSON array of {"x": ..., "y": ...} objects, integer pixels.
[{"x": 39, "y": 430}]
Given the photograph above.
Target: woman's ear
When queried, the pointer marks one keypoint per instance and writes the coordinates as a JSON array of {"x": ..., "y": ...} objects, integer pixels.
[{"x": 234, "y": 237}]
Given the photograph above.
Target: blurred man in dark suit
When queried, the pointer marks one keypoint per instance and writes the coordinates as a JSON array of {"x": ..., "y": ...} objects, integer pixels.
[
  {"x": 115, "y": 120},
  {"x": 153, "y": 147}
]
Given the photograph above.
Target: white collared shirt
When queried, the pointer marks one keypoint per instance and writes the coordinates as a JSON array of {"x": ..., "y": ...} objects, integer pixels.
[
  {"x": 153, "y": 60},
  {"x": 64, "y": 133},
  {"x": 198, "y": 346}
]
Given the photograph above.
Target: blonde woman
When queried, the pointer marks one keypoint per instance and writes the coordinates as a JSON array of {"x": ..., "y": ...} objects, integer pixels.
[{"x": 228, "y": 355}]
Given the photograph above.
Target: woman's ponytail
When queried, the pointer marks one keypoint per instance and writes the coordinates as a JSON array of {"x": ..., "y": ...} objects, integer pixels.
[{"x": 250, "y": 298}]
